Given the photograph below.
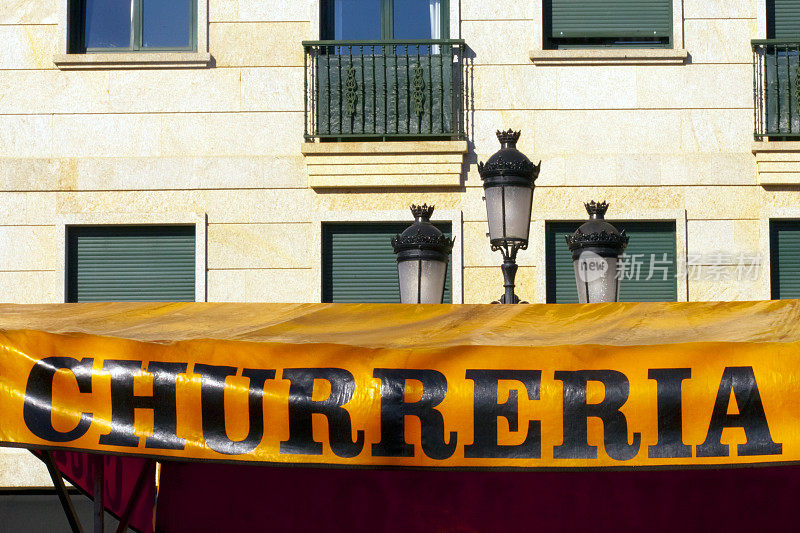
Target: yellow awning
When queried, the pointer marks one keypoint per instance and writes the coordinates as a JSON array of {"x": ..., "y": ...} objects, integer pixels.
[{"x": 461, "y": 386}]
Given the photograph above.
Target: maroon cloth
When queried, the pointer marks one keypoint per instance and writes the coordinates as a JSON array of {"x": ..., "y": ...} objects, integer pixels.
[
  {"x": 211, "y": 497},
  {"x": 121, "y": 474}
]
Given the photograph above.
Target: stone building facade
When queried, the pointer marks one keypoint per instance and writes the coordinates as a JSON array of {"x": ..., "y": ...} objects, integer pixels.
[{"x": 215, "y": 138}]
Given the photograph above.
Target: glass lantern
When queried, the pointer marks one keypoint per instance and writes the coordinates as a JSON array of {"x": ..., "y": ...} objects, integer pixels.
[
  {"x": 422, "y": 255},
  {"x": 596, "y": 248}
]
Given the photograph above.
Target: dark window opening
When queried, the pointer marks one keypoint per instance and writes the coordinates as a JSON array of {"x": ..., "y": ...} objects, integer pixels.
[
  {"x": 649, "y": 265},
  {"x": 131, "y": 264},
  {"x": 599, "y": 23},
  {"x": 132, "y": 25},
  {"x": 358, "y": 20},
  {"x": 359, "y": 264}
]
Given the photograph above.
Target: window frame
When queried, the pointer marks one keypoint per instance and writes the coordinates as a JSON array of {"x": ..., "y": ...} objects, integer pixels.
[
  {"x": 549, "y": 44},
  {"x": 131, "y": 234},
  {"x": 769, "y": 270},
  {"x": 769, "y": 21},
  {"x": 66, "y": 59},
  {"x": 76, "y": 26},
  {"x": 452, "y": 216},
  {"x": 327, "y": 31},
  {"x": 367, "y": 228},
  {"x": 554, "y": 228},
  {"x": 677, "y": 55},
  {"x": 539, "y": 235},
  {"x": 198, "y": 220}
]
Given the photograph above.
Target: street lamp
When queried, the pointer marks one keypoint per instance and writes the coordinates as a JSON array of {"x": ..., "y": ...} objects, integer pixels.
[
  {"x": 422, "y": 253},
  {"x": 508, "y": 181},
  {"x": 596, "y": 247}
]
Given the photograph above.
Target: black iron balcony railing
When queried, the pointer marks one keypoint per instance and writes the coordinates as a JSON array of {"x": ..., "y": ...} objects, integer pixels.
[
  {"x": 776, "y": 88},
  {"x": 384, "y": 89}
]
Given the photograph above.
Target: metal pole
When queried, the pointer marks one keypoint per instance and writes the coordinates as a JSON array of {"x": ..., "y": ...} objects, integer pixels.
[
  {"x": 63, "y": 495},
  {"x": 147, "y": 470},
  {"x": 509, "y": 268},
  {"x": 99, "y": 506}
]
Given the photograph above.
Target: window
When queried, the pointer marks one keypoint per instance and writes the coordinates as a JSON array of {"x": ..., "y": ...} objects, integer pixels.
[
  {"x": 599, "y": 23},
  {"x": 131, "y": 263},
  {"x": 783, "y": 19},
  {"x": 132, "y": 25},
  {"x": 775, "y": 65},
  {"x": 385, "y": 69},
  {"x": 650, "y": 273},
  {"x": 359, "y": 265},
  {"x": 784, "y": 244},
  {"x": 355, "y": 20}
]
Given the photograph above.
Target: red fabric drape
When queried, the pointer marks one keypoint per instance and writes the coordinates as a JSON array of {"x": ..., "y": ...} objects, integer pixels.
[{"x": 213, "y": 497}]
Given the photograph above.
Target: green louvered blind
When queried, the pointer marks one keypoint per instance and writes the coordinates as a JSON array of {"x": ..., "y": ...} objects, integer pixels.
[
  {"x": 649, "y": 241},
  {"x": 581, "y": 19},
  {"x": 131, "y": 263},
  {"x": 784, "y": 243},
  {"x": 783, "y": 19},
  {"x": 359, "y": 265}
]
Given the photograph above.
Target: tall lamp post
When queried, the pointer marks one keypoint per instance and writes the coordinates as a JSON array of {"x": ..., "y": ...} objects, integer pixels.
[
  {"x": 596, "y": 247},
  {"x": 422, "y": 254},
  {"x": 508, "y": 181}
]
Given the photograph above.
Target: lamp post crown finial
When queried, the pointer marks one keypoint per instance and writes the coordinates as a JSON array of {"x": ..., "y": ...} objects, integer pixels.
[
  {"x": 422, "y": 212},
  {"x": 596, "y": 209},
  {"x": 508, "y": 138}
]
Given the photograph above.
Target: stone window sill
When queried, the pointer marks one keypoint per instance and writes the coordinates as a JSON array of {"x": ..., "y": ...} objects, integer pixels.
[
  {"x": 141, "y": 60},
  {"x": 611, "y": 56},
  {"x": 385, "y": 164},
  {"x": 777, "y": 162}
]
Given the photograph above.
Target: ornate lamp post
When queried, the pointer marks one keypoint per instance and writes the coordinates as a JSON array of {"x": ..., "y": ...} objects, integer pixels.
[
  {"x": 422, "y": 254},
  {"x": 596, "y": 247},
  {"x": 508, "y": 181}
]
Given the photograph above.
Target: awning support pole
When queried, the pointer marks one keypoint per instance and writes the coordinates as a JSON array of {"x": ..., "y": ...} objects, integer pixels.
[
  {"x": 99, "y": 506},
  {"x": 63, "y": 495},
  {"x": 147, "y": 470}
]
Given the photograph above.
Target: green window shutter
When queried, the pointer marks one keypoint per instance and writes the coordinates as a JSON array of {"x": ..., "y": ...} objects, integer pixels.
[
  {"x": 647, "y": 238},
  {"x": 358, "y": 263},
  {"x": 609, "y": 18},
  {"x": 783, "y": 19},
  {"x": 784, "y": 243},
  {"x": 131, "y": 263}
]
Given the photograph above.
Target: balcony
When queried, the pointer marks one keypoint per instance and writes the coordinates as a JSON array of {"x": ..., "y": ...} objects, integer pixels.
[
  {"x": 776, "y": 89},
  {"x": 384, "y": 90}
]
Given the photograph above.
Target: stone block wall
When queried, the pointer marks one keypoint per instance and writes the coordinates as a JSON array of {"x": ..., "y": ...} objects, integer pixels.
[
  {"x": 226, "y": 141},
  {"x": 663, "y": 138}
]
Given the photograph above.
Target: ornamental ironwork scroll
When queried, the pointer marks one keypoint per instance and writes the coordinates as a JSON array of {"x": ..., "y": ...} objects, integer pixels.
[
  {"x": 418, "y": 91},
  {"x": 350, "y": 87}
]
